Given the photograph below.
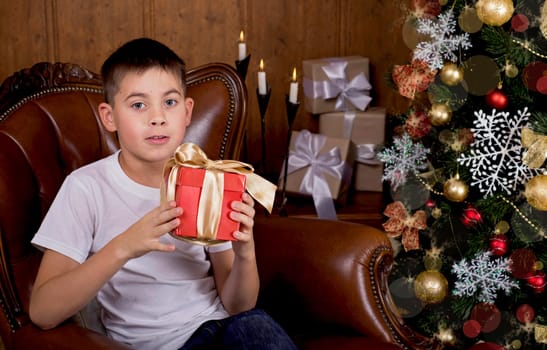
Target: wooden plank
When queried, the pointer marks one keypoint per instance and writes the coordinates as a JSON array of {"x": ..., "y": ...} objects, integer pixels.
[{"x": 24, "y": 34}]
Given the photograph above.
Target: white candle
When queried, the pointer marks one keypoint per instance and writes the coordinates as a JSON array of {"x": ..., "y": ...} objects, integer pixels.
[
  {"x": 293, "y": 92},
  {"x": 242, "y": 47},
  {"x": 262, "y": 79}
]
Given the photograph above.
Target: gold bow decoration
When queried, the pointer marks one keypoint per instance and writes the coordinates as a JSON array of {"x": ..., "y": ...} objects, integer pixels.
[
  {"x": 536, "y": 145},
  {"x": 401, "y": 223},
  {"x": 210, "y": 201}
]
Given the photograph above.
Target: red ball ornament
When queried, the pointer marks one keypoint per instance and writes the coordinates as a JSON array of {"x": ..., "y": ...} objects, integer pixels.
[
  {"x": 471, "y": 216},
  {"x": 522, "y": 262},
  {"x": 537, "y": 281},
  {"x": 525, "y": 313},
  {"x": 498, "y": 245},
  {"x": 488, "y": 316},
  {"x": 520, "y": 23},
  {"x": 471, "y": 328},
  {"x": 497, "y": 99}
]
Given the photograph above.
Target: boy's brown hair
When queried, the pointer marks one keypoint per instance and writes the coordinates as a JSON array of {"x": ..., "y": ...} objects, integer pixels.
[{"x": 139, "y": 55}]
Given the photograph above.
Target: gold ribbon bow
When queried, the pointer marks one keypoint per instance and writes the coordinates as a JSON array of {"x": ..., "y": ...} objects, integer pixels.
[
  {"x": 536, "y": 144},
  {"x": 210, "y": 201},
  {"x": 401, "y": 223}
]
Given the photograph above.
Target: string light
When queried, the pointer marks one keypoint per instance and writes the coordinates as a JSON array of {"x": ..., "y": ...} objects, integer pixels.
[{"x": 526, "y": 45}]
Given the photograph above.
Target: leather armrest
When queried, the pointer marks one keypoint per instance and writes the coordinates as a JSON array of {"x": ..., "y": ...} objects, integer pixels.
[
  {"x": 66, "y": 336},
  {"x": 334, "y": 272}
]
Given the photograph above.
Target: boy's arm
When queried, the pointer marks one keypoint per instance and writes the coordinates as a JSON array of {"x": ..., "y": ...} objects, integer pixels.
[
  {"x": 235, "y": 271},
  {"x": 63, "y": 286}
]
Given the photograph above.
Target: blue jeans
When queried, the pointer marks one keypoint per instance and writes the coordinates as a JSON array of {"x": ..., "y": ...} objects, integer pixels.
[{"x": 249, "y": 330}]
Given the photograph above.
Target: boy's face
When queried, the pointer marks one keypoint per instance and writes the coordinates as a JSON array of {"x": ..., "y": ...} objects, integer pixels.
[{"x": 150, "y": 114}]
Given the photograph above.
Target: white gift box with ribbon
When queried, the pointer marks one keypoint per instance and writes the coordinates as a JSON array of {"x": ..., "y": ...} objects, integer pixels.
[
  {"x": 336, "y": 84},
  {"x": 366, "y": 130},
  {"x": 320, "y": 167}
]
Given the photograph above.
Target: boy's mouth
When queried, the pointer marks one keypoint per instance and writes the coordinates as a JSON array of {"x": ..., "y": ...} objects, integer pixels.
[{"x": 157, "y": 138}]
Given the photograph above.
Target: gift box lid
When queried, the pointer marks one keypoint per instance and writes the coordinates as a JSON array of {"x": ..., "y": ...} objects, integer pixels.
[
  {"x": 194, "y": 178},
  {"x": 361, "y": 127}
]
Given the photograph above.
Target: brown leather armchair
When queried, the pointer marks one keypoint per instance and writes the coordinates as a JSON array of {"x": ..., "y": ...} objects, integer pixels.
[{"x": 324, "y": 281}]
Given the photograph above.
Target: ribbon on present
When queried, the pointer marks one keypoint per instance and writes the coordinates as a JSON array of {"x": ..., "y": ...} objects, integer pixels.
[
  {"x": 536, "y": 145},
  {"x": 401, "y": 223},
  {"x": 307, "y": 154},
  {"x": 337, "y": 85},
  {"x": 366, "y": 152},
  {"x": 210, "y": 201}
]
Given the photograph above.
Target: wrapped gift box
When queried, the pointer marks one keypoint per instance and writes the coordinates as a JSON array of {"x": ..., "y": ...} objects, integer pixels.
[
  {"x": 336, "y": 84},
  {"x": 204, "y": 188},
  {"x": 330, "y": 148},
  {"x": 188, "y": 193},
  {"x": 366, "y": 131}
]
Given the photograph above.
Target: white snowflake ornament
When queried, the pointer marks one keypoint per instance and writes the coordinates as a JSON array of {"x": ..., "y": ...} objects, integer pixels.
[
  {"x": 484, "y": 276},
  {"x": 403, "y": 158},
  {"x": 495, "y": 158},
  {"x": 443, "y": 41}
]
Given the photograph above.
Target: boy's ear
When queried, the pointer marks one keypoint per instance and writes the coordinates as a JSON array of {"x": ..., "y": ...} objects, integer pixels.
[
  {"x": 107, "y": 118},
  {"x": 189, "y": 104}
]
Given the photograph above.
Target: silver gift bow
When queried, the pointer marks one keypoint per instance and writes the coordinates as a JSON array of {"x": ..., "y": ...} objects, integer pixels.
[
  {"x": 338, "y": 86},
  {"x": 307, "y": 154},
  {"x": 366, "y": 152}
]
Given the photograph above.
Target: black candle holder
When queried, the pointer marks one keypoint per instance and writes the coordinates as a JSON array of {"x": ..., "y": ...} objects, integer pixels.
[
  {"x": 242, "y": 66},
  {"x": 263, "y": 101},
  {"x": 292, "y": 109}
]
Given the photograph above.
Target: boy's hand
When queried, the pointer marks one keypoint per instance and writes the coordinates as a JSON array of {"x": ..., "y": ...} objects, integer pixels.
[
  {"x": 143, "y": 236},
  {"x": 244, "y": 213}
]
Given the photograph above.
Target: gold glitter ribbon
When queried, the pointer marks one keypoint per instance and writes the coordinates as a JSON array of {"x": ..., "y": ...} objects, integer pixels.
[
  {"x": 540, "y": 333},
  {"x": 536, "y": 144},
  {"x": 210, "y": 201}
]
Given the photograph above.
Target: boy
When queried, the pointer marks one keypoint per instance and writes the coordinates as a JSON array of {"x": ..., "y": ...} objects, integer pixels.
[{"x": 106, "y": 235}]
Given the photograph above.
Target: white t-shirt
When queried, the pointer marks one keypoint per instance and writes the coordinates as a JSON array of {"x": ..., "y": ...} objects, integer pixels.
[{"x": 153, "y": 302}]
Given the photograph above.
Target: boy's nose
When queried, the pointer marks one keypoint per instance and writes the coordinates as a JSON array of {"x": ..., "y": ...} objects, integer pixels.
[
  {"x": 158, "y": 118},
  {"x": 157, "y": 121}
]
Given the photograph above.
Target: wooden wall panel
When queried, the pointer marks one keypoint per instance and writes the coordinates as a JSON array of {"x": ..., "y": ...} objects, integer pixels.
[
  {"x": 373, "y": 30},
  {"x": 87, "y": 31},
  {"x": 24, "y": 33},
  {"x": 200, "y": 31},
  {"x": 282, "y": 32}
]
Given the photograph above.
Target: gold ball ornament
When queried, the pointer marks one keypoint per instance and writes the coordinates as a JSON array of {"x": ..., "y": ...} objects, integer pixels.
[
  {"x": 511, "y": 70},
  {"x": 440, "y": 114},
  {"x": 455, "y": 190},
  {"x": 451, "y": 74},
  {"x": 536, "y": 192},
  {"x": 431, "y": 287},
  {"x": 469, "y": 21},
  {"x": 494, "y": 12},
  {"x": 446, "y": 336}
]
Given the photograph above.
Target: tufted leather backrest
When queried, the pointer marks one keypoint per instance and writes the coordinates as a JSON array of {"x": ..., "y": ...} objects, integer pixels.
[{"x": 49, "y": 126}]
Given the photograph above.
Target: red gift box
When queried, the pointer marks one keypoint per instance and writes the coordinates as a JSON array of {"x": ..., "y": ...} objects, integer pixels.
[{"x": 188, "y": 195}]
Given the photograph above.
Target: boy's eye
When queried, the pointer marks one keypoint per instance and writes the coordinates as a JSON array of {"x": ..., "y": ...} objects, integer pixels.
[
  {"x": 171, "y": 102},
  {"x": 138, "y": 105}
]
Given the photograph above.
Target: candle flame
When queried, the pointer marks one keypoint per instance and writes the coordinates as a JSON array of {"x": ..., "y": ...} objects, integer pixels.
[
  {"x": 241, "y": 36},
  {"x": 261, "y": 65},
  {"x": 294, "y": 74}
]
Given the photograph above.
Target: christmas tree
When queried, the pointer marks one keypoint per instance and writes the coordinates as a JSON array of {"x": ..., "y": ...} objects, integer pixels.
[{"x": 466, "y": 165}]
